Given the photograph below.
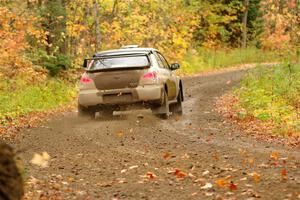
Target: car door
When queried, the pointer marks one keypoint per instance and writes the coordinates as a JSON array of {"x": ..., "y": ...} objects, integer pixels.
[{"x": 170, "y": 80}]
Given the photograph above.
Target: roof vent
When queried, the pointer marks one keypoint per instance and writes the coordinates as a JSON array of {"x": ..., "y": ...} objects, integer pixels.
[{"x": 129, "y": 46}]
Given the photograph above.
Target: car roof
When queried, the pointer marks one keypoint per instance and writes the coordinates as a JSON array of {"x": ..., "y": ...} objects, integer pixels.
[{"x": 125, "y": 51}]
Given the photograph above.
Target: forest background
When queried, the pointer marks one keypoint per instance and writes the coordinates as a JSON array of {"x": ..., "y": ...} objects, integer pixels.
[{"x": 43, "y": 44}]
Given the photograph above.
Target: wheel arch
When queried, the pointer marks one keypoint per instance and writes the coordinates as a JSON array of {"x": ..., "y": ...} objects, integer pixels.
[{"x": 166, "y": 88}]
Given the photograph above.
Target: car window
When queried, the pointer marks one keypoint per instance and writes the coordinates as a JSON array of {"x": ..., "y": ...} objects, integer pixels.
[
  {"x": 160, "y": 63},
  {"x": 164, "y": 61},
  {"x": 118, "y": 62}
]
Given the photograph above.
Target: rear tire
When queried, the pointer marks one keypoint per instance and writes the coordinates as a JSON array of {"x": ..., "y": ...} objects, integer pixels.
[
  {"x": 85, "y": 112},
  {"x": 106, "y": 112},
  {"x": 177, "y": 107},
  {"x": 163, "y": 111}
]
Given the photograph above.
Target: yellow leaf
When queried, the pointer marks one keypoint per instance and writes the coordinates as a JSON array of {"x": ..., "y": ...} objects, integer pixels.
[
  {"x": 255, "y": 176},
  {"x": 41, "y": 160}
]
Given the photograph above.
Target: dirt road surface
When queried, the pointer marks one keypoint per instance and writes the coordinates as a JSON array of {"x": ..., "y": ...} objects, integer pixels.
[{"x": 139, "y": 156}]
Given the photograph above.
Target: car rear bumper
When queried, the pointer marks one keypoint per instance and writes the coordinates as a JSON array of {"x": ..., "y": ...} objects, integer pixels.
[{"x": 145, "y": 93}]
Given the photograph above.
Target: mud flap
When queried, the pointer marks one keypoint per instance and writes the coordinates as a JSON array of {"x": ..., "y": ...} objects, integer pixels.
[
  {"x": 176, "y": 108},
  {"x": 164, "y": 109}
]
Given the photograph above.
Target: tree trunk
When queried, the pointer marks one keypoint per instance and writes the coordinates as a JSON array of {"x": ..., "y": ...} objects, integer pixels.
[
  {"x": 40, "y": 2},
  {"x": 64, "y": 47},
  {"x": 115, "y": 7},
  {"x": 29, "y": 5},
  {"x": 97, "y": 26},
  {"x": 87, "y": 34},
  {"x": 245, "y": 20},
  {"x": 11, "y": 183}
]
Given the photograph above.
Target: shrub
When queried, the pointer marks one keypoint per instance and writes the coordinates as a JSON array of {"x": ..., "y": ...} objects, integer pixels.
[
  {"x": 272, "y": 94},
  {"x": 53, "y": 63},
  {"x": 206, "y": 59},
  {"x": 19, "y": 98}
]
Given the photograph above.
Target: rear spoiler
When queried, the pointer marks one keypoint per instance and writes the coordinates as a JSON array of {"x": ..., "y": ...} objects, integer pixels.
[
  {"x": 113, "y": 56},
  {"x": 85, "y": 63},
  {"x": 120, "y": 53},
  {"x": 125, "y": 54}
]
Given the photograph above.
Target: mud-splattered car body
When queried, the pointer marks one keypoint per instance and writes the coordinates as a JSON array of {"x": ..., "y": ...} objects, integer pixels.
[{"x": 117, "y": 78}]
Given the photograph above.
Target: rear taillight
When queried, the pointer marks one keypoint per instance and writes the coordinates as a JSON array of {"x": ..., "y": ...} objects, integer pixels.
[
  {"x": 149, "y": 78},
  {"x": 150, "y": 75},
  {"x": 85, "y": 80}
]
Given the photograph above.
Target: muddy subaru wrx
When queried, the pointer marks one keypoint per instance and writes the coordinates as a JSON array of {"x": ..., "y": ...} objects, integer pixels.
[{"x": 116, "y": 79}]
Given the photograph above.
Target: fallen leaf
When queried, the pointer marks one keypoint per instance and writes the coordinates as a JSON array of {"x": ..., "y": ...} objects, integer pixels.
[
  {"x": 255, "y": 176},
  {"x": 263, "y": 165},
  {"x": 228, "y": 177},
  {"x": 209, "y": 194},
  {"x": 201, "y": 181},
  {"x": 179, "y": 174},
  {"x": 232, "y": 186},
  {"x": 191, "y": 175},
  {"x": 121, "y": 180},
  {"x": 150, "y": 175},
  {"x": 283, "y": 174},
  {"x": 166, "y": 155},
  {"x": 133, "y": 167},
  {"x": 194, "y": 194},
  {"x": 65, "y": 183},
  {"x": 120, "y": 133},
  {"x": 221, "y": 182},
  {"x": 242, "y": 152},
  {"x": 185, "y": 156},
  {"x": 215, "y": 156},
  {"x": 205, "y": 173},
  {"x": 251, "y": 161},
  {"x": 274, "y": 155},
  {"x": 207, "y": 186},
  {"x": 41, "y": 160}
]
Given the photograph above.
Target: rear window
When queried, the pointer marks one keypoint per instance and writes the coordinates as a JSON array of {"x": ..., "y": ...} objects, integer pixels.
[{"x": 118, "y": 62}]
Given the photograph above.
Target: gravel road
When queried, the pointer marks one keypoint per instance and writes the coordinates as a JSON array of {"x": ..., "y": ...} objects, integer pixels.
[{"x": 139, "y": 156}]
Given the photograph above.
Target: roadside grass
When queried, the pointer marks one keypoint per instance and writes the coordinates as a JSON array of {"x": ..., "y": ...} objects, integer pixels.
[
  {"x": 202, "y": 60},
  {"x": 272, "y": 94},
  {"x": 18, "y": 97}
]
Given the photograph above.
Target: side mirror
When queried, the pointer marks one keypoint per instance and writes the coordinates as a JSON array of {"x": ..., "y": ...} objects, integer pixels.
[
  {"x": 85, "y": 63},
  {"x": 175, "y": 66}
]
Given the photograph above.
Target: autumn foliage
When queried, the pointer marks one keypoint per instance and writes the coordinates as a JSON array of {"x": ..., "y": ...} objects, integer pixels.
[
  {"x": 12, "y": 42},
  {"x": 281, "y": 28},
  {"x": 58, "y": 34}
]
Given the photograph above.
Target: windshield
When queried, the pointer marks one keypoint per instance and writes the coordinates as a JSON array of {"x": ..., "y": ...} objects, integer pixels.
[{"x": 118, "y": 62}]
